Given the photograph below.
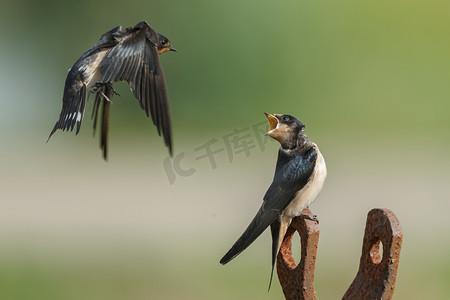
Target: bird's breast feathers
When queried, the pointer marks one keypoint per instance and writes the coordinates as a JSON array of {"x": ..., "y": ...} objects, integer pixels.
[{"x": 309, "y": 192}]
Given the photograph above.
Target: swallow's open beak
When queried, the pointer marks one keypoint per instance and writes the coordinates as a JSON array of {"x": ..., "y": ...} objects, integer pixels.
[
  {"x": 273, "y": 122},
  {"x": 173, "y": 49}
]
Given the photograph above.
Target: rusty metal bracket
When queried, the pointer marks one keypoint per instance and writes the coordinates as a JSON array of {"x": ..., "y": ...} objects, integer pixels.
[
  {"x": 378, "y": 264},
  {"x": 379, "y": 261},
  {"x": 297, "y": 281}
]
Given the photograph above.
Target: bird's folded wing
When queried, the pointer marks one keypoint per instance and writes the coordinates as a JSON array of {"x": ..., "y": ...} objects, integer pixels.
[
  {"x": 289, "y": 179},
  {"x": 259, "y": 223}
]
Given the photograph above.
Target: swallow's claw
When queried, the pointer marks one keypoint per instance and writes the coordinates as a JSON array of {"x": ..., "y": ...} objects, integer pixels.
[
  {"x": 113, "y": 91},
  {"x": 310, "y": 217},
  {"x": 98, "y": 88}
]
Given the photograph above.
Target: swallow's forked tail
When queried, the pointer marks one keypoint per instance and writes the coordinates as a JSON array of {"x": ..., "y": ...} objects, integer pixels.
[
  {"x": 275, "y": 230},
  {"x": 102, "y": 99}
]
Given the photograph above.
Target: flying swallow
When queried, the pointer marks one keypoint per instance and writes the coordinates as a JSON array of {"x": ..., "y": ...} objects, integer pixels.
[
  {"x": 129, "y": 55},
  {"x": 299, "y": 176}
]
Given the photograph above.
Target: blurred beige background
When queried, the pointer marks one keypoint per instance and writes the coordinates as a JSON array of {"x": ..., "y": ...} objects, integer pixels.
[{"x": 370, "y": 80}]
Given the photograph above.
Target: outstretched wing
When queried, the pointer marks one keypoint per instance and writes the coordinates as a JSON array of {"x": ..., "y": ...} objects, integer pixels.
[
  {"x": 291, "y": 175},
  {"x": 74, "y": 97},
  {"x": 135, "y": 60},
  {"x": 74, "y": 101}
]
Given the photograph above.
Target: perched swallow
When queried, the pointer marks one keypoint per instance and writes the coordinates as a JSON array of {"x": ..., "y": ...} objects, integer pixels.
[
  {"x": 129, "y": 55},
  {"x": 299, "y": 177}
]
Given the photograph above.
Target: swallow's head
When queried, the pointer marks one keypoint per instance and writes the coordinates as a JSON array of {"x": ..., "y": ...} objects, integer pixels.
[
  {"x": 287, "y": 130},
  {"x": 164, "y": 44}
]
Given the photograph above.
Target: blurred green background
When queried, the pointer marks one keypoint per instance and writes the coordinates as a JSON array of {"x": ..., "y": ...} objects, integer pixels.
[{"x": 369, "y": 78}]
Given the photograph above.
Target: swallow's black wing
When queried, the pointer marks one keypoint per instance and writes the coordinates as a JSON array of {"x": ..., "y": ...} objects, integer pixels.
[
  {"x": 291, "y": 175},
  {"x": 74, "y": 101},
  {"x": 74, "y": 97},
  {"x": 291, "y": 178},
  {"x": 135, "y": 60}
]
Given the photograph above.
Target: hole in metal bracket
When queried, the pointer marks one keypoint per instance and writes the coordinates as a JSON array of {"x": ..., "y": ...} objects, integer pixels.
[{"x": 376, "y": 252}]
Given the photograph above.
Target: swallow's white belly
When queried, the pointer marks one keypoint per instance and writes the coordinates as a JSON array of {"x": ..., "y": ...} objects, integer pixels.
[
  {"x": 91, "y": 72},
  {"x": 309, "y": 192}
]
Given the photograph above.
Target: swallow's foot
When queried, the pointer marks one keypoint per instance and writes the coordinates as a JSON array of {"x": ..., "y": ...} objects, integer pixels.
[
  {"x": 113, "y": 91},
  {"x": 310, "y": 217},
  {"x": 98, "y": 88},
  {"x": 100, "y": 91}
]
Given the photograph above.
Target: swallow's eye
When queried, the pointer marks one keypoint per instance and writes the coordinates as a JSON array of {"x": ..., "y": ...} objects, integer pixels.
[
  {"x": 163, "y": 42},
  {"x": 285, "y": 118}
]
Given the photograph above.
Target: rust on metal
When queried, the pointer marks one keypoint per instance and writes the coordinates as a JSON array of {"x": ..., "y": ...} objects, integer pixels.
[
  {"x": 378, "y": 264},
  {"x": 380, "y": 257},
  {"x": 297, "y": 281}
]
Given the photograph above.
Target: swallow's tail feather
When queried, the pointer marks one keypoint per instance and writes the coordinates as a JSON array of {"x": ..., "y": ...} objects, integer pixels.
[
  {"x": 105, "y": 124},
  {"x": 95, "y": 110},
  {"x": 275, "y": 230},
  {"x": 260, "y": 222}
]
